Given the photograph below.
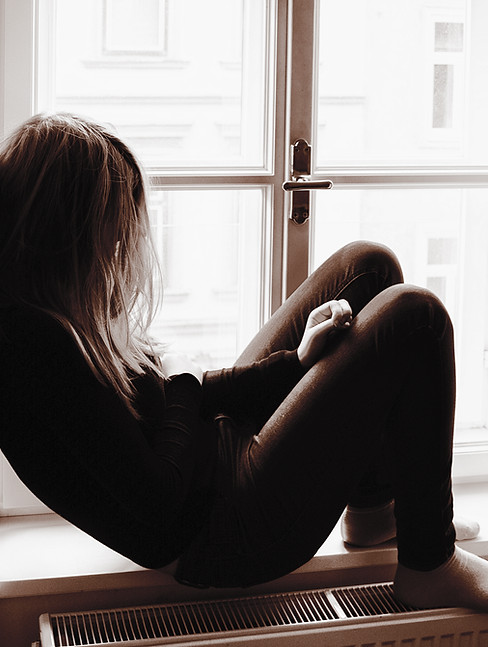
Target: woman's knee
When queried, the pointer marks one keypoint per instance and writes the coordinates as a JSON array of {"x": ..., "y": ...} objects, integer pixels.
[
  {"x": 358, "y": 272},
  {"x": 371, "y": 255},
  {"x": 420, "y": 306}
]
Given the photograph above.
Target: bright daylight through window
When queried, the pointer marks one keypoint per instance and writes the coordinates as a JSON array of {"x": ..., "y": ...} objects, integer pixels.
[
  {"x": 187, "y": 95},
  {"x": 420, "y": 106}
]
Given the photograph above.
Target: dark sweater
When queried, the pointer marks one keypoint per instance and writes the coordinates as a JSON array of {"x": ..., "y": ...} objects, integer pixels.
[{"x": 142, "y": 487}]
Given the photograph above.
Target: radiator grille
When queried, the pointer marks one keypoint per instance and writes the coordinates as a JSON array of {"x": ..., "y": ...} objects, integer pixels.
[{"x": 139, "y": 624}]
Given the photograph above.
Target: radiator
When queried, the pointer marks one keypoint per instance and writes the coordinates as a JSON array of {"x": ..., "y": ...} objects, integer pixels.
[{"x": 343, "y": 617}]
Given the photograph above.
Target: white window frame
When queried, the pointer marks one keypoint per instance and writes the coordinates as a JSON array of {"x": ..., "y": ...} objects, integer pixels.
[{"x": 287, "y": 249}]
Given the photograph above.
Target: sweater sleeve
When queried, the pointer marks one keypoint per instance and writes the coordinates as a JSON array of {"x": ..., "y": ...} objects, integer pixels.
[{"x": 259, "y": 386}]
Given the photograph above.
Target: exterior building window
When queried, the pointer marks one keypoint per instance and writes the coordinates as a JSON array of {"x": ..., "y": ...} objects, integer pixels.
[
  {"x": 448, "y": 62},
  {"x": 449, "y": 36},
  {"x": 134, "y": 27},
  {"x": 443, "y": 96},
  {"x": 442, "y": 265}
]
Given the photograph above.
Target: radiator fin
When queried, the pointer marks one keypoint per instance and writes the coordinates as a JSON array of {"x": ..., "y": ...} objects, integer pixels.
[{"x": 136, "y": 624}]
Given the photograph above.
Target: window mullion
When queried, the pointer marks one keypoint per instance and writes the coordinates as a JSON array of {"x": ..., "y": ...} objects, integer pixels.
[{"x": 301, "y": 64}]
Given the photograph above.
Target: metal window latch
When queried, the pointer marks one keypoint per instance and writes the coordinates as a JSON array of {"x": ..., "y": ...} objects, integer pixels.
[{"x": 300, "y": 182}]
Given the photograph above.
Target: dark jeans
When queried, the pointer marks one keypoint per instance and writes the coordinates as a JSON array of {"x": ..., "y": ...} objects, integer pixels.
[{"x": 370, "y": 421}]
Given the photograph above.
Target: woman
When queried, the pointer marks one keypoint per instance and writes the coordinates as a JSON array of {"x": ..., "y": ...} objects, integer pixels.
[{"x": 238, "y": 474}]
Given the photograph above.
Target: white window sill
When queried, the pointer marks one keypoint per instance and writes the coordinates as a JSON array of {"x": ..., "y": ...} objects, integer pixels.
[{"x": 43, "y": 555}]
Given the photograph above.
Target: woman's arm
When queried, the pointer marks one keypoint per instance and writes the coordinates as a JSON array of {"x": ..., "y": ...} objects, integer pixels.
[
  {"x": 259, "y": 387},
  {"x": 253, "y": 388}
]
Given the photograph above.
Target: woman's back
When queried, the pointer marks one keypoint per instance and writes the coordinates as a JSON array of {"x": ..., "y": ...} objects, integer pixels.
[{"x": 74, "y": 443}]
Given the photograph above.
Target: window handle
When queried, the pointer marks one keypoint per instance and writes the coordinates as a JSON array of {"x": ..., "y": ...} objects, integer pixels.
[
  {"x": 306, "y": 185},
  {"x": 300, "y": 182}
]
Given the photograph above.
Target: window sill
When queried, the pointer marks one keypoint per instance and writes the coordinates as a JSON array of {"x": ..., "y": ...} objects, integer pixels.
[{"x": 35, "y": 561}]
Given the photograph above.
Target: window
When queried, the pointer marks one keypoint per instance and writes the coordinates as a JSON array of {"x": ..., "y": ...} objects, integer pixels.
[
  {"x": 205, "y": 104},
  {"x": 440, "y": 237},
  {"x": 197, "y": 104},
  {"x": 134, "y": 27},
  {"x": 443, "y": 96},
  {"x": 449, "y": 36},
  {"x": 442, "y": 263},
  {"x": 449, "y": 62},
  {"x": 210, "y": 246},
  {"x": 211, "y": 111},
  {"x": 210, "y": 97},
  {"x": 398, "y": 127}
]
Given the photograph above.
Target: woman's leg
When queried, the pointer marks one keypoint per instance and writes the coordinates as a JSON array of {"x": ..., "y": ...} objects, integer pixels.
[
  {"x": 357, "y": 272},
  {"x": 390, "y": 380}
]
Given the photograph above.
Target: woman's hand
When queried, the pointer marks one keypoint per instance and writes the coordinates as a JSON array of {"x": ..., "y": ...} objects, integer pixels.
[
  {"x": 176, "y": 364},
  {"x": 333, "y": 315}
]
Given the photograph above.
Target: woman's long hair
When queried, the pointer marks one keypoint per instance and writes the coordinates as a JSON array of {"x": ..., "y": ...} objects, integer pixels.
[{"x": 75, "y": 241}]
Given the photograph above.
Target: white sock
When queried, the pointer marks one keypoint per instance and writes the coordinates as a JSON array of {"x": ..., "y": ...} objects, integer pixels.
[
  {"x": 465, "y": 528},
  {"x": 368, "y": 526},
  {"x": 372, "y": 526},
  {"x": 462, "y": 581}
]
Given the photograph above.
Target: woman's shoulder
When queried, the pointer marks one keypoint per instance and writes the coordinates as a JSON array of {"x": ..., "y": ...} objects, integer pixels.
[
  {"x": 18, "y": 319},
  {"x": 24, "y": 330},
  {"x": 42, "y": 365}
]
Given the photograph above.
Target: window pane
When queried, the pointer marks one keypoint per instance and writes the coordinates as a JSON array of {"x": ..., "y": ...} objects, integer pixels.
[
  {"x": 187, "y": 83},
  {"x": 449, "y": 36},
  {"x": 210, "y": 246},
  {"x": 441, "y": 238},
  {"x": 443, "y": 96},
  {"x": 401, "y": 82}
]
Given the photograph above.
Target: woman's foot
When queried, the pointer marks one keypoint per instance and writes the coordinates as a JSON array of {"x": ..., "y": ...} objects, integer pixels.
[
  {"x": 368, "y": 526},
  {"x": 372, "y": 526},
  {"x": 465, "y": 528},
  {"x": 462, "y": 581}
]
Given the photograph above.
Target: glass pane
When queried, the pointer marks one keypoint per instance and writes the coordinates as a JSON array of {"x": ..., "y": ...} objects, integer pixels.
[
  {"x": 449, "y": 36},
  {"x": 443, "y": 96},
  {"x": 401, "y": 82},
  {"x": 187, "y": 83},
  {"x": 210, "y": 246},
  {"x": 440, "y": 238}
]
